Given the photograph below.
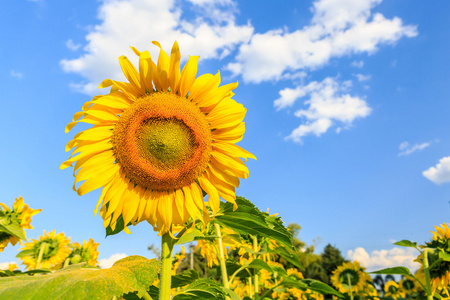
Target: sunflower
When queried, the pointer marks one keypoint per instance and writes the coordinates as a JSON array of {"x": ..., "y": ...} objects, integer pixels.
[
  {"x": 408, "y": 286},
  {"x": 158, "y": 141},
  {"x": 440, "y": 271},
  {"x": 20, "y": 214},
  {"x": 54, "y": 249},
  {"x": 350, "y": 277},
  {"x": 177, "y": 260},
  {"x": 392, "y": 289},
  {"x": 84, "y": 253}
]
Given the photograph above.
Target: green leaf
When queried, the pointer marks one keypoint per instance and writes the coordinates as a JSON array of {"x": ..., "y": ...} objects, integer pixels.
[
  {"x": 185, "y": 278},
  {"x": 128, "y": 275},
  {"x": 288, "y": 254},
  {"x": 394, "y": 271},
  {"x": 248, "y": 219},
  {"x": 406, "y": 243},
  {"x": 24, "y": 253},
  {"x": 259, "y": 264},
  {"x": 311, "y": 284},
  {"x": 189, "y": 237},
  {"x": 12, "y": 228},
  {"x": 153, "y": 292},
  {"x": 201, "y": 289}
]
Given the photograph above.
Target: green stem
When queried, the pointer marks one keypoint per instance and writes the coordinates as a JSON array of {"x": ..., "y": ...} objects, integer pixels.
[
  {"x": 147, "y": 296},
  {"x": 166, "y": 266},
  {"x": 223, "y": 267},
  {"x": 41, "y": 254},
  {"x": 250, "y": 285},
  {"x": 350, "y": 284},
  {"x": 427, "y": 273},
  {"x": 255, "y": 248}
]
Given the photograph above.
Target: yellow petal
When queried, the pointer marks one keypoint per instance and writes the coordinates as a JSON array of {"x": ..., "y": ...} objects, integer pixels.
[
  {"x": 232, "y": 150},
  {"x": 174, "y": 72},
  {"x": 213, "y": 195},
  {"x": 162, "y": 70},
  {"x": 131, "y": 74},
  {"x": 188, "y": 75},
  {"x": 203, "y": 85}
]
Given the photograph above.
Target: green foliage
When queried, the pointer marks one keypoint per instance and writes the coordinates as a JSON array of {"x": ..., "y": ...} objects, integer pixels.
[
  {"x": 185, "y": 278},
  {"x": 331, "y": 258},
  {"x": 131, "y": 274},
  {"x": 201, "y": 289},
  {"x": 10, "y": 227},
  {"x": 406, "y": 243},
  {"x": 7, "y": 273}
]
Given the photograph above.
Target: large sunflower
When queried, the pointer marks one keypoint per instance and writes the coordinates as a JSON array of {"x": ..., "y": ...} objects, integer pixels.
[
  {"x": 350, "y": 277},
  {"x": 54, "y": 247},
  {"x": 158, "y": 142}
]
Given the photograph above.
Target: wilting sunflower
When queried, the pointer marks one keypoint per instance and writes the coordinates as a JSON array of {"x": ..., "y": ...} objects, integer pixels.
[
  {"x": 54, "y": 247},
  {"x": 20, "y": 214},
  {"x": 84, "y": 253},
  {"x": 350, "y": 277},
  {"x": 158, "y": 141},
  {"x": 440, "y": 271}
]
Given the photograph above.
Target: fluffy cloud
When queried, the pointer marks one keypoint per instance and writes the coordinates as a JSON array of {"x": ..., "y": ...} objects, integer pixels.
[
  {"x": 72, "y": 46},
  {"x": 381, "y": 259},
  {"x": 328, "y": 103},
  {"x": 362, "y": 77},
  {"x": 212, "y": 34},
  {"x": 337, "y": 28},
  {"x": 439, "y": 173},
  {"x": 108, "y": 262},
  {"x": 406, "y": 149}
]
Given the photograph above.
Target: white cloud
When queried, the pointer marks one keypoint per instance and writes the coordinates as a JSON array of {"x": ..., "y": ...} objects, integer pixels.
[
  {"x": 328, "y": 103},
  {"x": 362, "y": 77},
  {"x": 406, "y": 149},
  {"x": 357, "y": 64},
  {"x": 381, "y": 259},
  {"x": 212, "y": 34},
  {"x": 16, "y": 74},
  {"x": 108, "y": 262},
  {"x": 338, "y": 27},
  {"x": 72, "y": 46},
  {"x": 5, "y": 265},
  {"x": 440, "y": 173}
]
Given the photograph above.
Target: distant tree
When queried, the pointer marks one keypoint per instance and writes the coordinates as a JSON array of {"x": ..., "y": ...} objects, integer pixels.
[{"x": 331, "y": 258}]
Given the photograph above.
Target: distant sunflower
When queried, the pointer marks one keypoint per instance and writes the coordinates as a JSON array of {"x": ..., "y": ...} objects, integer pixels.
[
  {"x": 439, "y": 272},
  {"x": 350, "y": 277},
  {"x": 392, "y": 289},
  {"x": 158, "y": 141},
  {"x": 55, "y": 249},
  {"x": 20, "y": 214},
  {"x": 408, "y": 286},
  {"x": 84, "y": 253}
]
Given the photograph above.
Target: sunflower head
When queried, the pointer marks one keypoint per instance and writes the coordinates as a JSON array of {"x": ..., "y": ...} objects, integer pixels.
[
  {"x": 49, "y": 251},
  {"x": 18, "y": 216},
  {"x": 159, "y": 142},
  {"x": 350, "y": 277},
  {"x": 84, "y": 253}
]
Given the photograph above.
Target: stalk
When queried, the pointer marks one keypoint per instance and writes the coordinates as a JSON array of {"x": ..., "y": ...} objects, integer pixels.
[
  {"x": 223, "y": 267},
  {"x": 427, "y": 273},
  {"x": 350, "y": 284},
  {"x": 41, "y": 254},
  {"x": 255, "y": 248},
  {"x": 166, "y": 266}
]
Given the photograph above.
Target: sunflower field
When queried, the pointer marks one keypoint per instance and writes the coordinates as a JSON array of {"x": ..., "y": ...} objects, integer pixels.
[{"x": 163, "y": 149}]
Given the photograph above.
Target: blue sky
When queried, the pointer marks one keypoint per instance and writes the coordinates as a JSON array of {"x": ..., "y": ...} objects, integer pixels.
[{"x": 348, "y": 106}]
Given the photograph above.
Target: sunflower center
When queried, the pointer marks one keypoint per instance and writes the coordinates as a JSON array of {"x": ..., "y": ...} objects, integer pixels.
[{"x": 162, "y": 141}]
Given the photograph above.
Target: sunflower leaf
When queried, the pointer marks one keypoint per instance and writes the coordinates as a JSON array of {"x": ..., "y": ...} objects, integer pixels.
[
  {"x": 310, "y": 284},
  {"x": 185, "y": 278},
  {"x": 119, "y": 227},
  {"x": 128, "y": 275},
  {"x": 201, "y": 289},
  {"x": 248, "y": 219},
  {"x": 394, "y": 271},
  {"x": 189, "y": 237},
  {"x": 406, "y": 243},
  {"x": 12, "y": 228}
]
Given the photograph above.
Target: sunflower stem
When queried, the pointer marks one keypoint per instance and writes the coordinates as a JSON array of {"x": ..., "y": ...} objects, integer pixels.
[
  {"x": 255, "y": 248},
  {"x": 426, "y": 270},
  {"x": 223, "y": 267},
  {"x": 41, "y": 254},
  {"x": 350, "y": 284},
  {"x": 166, "y": 266}
]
